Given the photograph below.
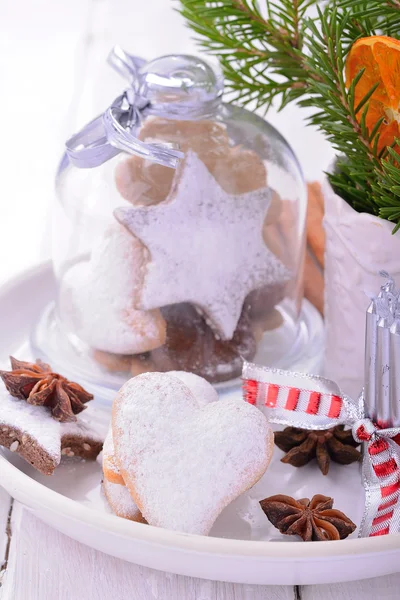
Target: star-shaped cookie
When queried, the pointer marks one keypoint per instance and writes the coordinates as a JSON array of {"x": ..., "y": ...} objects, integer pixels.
[{"x": 205, "y": 246}]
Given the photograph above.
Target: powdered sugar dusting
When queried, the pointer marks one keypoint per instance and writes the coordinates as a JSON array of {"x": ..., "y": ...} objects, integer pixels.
[
  {"x": 110, "y": 466},
  {"x": 35, "y": 421},
  {"x": 206, "y": 246},
  {"x": 87, "y": 426},
  {"x": 202, "y": 390},
  {"x": 97, "y": 297},
  {"x": 184, "y": 463},
  {"x": 108, "y": 447},
  {"x": 120, "y": 501}
]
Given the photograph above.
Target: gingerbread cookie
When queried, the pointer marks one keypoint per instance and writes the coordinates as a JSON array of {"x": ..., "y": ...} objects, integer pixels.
[
  {"x": 98, "y": 297},
  {"x": 183, "y": 463},
  {"x": 240, "y": 171},
  {"x": 31, "y": 432},
  {"x": 208, "y": 139},
  {"x": 114, "y": 363},
  {"x": 142, "y": 182},
  {"x": 191, "y": 345},
  {"x": 237, "y": 170},
  {"x": 38, "y": 416},
  {"x": 83, "y": 438}
]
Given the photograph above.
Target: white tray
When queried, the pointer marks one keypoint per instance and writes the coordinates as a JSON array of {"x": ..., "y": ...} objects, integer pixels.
[{"x": 71, "y": 500}]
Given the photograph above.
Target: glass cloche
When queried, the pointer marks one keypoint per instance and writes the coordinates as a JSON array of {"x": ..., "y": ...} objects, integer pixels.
[{"x": 178, "y": 237}]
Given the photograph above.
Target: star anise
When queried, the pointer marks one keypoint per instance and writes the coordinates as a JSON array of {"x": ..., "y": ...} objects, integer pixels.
[
  {"x": 314, "y": 521},
  {"x": 37, "y": 384},
  {"x": 302, "y": 445}
]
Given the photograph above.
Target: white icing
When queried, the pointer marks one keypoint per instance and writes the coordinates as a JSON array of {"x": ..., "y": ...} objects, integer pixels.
[
  {"x": 120, "y": 500},
  {"x": 206, "y": 246},
  {"x": 35, "y": 421},
  {"x": 202, "y": 390},
  {"x": 97, "y": 297},
  {"x": 184, "y": 463},
  {"x": 87, "y": 425}
]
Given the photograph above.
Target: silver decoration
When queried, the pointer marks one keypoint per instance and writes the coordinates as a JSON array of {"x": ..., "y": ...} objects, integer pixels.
[
  {"x": 370, "y": 359},
  {"x": 177, "y": 87},
  {"x": 382, "y": 356}
]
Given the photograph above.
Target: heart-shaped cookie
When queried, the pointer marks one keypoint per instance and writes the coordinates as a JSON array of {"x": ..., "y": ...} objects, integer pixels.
[{"x": 183, "y": 463}]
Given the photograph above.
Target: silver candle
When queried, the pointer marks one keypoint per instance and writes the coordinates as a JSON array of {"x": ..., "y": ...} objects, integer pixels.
[
  {"x": 383, "y": 408},
  {"x": 395, "y": 371},
  {"x": 371, "y": 327},
  {"x": 386, "y": 306}
]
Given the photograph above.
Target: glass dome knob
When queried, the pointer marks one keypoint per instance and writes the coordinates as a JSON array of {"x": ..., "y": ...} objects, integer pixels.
[{"x": 184, "y": 81}]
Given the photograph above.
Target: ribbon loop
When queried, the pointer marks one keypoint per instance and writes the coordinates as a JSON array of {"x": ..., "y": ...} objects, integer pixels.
[
  {"x": 363, "y": 430},
  {"x": 125, "y": 64},
  {"x": 115, "y": 130}
]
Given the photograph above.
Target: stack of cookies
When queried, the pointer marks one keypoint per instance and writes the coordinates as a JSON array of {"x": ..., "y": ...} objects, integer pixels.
[
  {"x": 176, "y": 455},
  {"x": 195, "y": 252}
]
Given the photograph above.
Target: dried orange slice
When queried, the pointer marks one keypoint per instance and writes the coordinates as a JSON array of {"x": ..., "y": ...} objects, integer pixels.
[{"x": 380, "y": 57}]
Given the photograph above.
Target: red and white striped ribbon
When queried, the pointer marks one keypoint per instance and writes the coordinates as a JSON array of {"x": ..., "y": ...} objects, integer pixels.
[{"x": 312, "y": 402}]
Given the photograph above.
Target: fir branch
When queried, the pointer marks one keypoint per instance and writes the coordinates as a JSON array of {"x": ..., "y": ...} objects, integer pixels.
[
  {"x": 336, "y": 114},
  {"x": 376, "y": 17},
  {"x": 261, "y": 55},
  {"x": 281, "y": 54},
  {"x": 387, "y": 187}
]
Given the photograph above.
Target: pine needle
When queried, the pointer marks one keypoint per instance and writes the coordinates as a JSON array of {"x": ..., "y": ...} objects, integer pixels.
[{"x": 273, "y": 50}]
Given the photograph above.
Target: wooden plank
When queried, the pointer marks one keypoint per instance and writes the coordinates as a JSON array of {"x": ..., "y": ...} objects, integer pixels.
[
  {"x": 379, "y": 588},
  {"x": 5, "y": 507},
  {"x": 8, "y": 572},
  {"x": 46, "y": 564}
]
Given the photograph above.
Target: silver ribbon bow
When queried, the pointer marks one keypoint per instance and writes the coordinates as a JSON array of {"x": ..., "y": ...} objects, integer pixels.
[{"x": 114, "y": 131}]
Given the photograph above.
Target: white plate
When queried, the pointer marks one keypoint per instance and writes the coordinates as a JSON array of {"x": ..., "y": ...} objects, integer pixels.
[{"x": 71, "y": 500}]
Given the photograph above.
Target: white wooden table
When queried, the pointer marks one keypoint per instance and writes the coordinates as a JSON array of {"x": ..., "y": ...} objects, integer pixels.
[{"x": 53, "y": 79}]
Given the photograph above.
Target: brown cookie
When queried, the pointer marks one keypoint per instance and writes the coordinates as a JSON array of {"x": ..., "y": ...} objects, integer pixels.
[
  {"x": 239, "y": 171},
  {"x": 80, "y": 444},
  {"x": 142, "y": 182},
  {"x": 37, "y": 454},
  {"x": 114, "y": 363},
  {"x": 192, "y": 346},
  {"x": 260, "y": 303},
  {"x": 31, "y": 432}
]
